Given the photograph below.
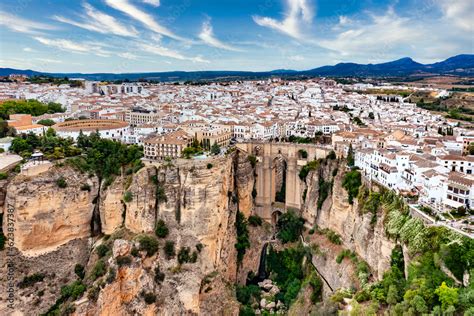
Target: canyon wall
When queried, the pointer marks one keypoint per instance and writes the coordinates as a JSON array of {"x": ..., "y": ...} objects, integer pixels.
[
  {"x": 47, "y": 215},
  {"x": 357, "y": 230}
]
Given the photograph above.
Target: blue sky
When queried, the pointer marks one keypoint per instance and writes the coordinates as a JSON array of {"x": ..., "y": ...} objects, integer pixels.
[{"x": 153, "y": 35}]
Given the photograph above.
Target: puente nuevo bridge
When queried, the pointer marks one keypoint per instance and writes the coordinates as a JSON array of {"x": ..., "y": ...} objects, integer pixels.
[{"x": 277, "y": 164}]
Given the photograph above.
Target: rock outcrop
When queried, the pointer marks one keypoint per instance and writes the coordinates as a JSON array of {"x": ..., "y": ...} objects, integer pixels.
[
  {"x": 357, "y": 230},
  {"x": 47, "y": 215}
]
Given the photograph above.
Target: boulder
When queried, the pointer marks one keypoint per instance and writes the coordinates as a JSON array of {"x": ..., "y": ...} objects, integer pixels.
[{"x": 263, "y": 303}]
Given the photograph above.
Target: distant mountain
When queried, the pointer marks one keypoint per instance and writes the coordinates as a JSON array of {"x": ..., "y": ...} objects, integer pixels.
[{"x": 462, "y": 65}]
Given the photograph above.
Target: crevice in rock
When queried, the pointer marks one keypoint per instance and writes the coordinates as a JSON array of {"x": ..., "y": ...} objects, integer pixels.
[{"x": 96, "y": 224}]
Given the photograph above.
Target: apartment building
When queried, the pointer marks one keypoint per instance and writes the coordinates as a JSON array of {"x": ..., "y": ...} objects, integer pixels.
[
  {"x": 169, "y": 145},
  {"x": 141, "y": 116}
]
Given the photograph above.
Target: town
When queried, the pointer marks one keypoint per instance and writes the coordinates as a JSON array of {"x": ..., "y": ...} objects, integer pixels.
[{"x": 422, "y": 155}]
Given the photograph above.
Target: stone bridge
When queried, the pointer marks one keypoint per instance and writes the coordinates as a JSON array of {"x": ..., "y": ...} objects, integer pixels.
[{"x": 270, "y": 158}]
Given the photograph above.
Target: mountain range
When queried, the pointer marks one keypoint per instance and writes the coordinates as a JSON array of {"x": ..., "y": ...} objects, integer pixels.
[{"x": 460, "y": 65}]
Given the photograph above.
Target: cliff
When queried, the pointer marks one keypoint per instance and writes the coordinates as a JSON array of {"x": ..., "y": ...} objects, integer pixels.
[
  {"x": 48, "y": 215},
  {"x": 358, "y": 232}
]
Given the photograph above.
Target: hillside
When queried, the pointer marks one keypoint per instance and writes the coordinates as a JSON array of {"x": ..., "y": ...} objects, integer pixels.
[{"x": 461, "y": 65}]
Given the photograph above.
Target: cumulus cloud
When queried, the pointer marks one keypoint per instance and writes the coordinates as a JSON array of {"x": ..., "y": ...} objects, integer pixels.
[
  {"x": 297, "y": 11},
  {"x": 21, "y": 25},
  {"x": 75, "y": 47},
  {"x": 208, "y": 37},
  {"x": 459, "y": 12},
  {"x": 97, "y": 21},
  {"x": 388, "y": 36},
  {"x": 146, "y": 19}
]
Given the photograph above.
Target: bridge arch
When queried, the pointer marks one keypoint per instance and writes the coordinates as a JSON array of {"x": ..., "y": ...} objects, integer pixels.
[{"x": 270, "y": 157}]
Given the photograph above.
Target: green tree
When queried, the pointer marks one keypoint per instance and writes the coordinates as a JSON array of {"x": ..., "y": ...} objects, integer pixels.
[
  {"x": 215, "y": 149},
  {"x": 289, "y": 227},
  {"x": 350, "y": 156},
  {"x": 448, "y": 296},
  {"x": 392, "y": 295}
]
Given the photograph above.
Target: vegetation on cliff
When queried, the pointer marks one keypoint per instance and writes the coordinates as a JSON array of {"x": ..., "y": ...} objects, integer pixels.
[
  {"x": 243, "y": 241},
  {"x": 290, "y": 227},
  {"x": 440, "y": 260},
  {"x": 351, "y": 182}
]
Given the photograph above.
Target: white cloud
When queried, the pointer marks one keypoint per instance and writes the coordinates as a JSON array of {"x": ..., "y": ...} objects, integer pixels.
[
  {"x": 28, "y": 49},
  {"x": 459, "y": 12},
  {"x": 390, "y": 36},
  {"x": 99, "y": 22},
  {"x": 296, "y": 58},
  {"x": 166, "y": 52},
  {"x": 49, "y": 61},
  {"x": 128, "y": 55},
  {"x": 297, "y": 11},
  {"x": 208, "y": 37},
  {"x": 75, "y": 47},
  {"x": 374, "y": 37},
  {"x": 143, "y": 17},
  {"x": 155, "y": 3},
  {"x": 21, "y": 25}
]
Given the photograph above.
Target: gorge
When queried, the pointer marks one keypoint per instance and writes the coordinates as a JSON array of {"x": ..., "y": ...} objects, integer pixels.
[{"x": 186, "y": 237}]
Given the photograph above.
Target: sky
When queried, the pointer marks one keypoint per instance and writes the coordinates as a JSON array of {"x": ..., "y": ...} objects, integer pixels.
[{"x": 123, "y": 36}]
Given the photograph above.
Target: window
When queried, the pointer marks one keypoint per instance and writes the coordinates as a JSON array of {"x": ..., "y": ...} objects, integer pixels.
[
  {"x": 456, "y": 190},
  {"x": 450, "y": 188}
]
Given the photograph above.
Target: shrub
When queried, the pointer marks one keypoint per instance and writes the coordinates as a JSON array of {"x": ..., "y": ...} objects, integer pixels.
[
  {"x": 303, "y": 153},
  {"x": 161, "y": 229},
  {"x": 85, "y": 187},
  {"x": 351, "y": 182},
  {"x": 310, "y": 166},
  {"x": 30, "y": 280},
  {"x": 243, "y": 241},
  {"x": 128, "y": 197},
  {"x": 331, "y": 155},
  {"x": 247, "y": 293},
  {"x": 149, "y": 297},
  {"x": 79, "y": 271},
  {"x": 255, "y": 220},
  {"x": 3, "y": 176},
  {"x": 135, "y": 252},
  {"x": 93, "y": 293},
  {"x": 253, "y": 160},
  {"x": 61, "y": 182},
  {"x": 184, "y": 255},
  {"x": 148, "y": 244},
  {"x": 199, "y": 247},
  {"x": 289, "y": 227},
  {"x": 159, "y": 276},
  {"x": 123, "y": 261},
  {"x": 169, "y": 249},
  {"x": 111, "y": 276},
  {"x": 73, "y": 290},
  {"x": 102, "y": 250},
  {"x": 98, "y": 270},
  {"x": 209, "y": 166},
  {"x": 160, "y": 194}
]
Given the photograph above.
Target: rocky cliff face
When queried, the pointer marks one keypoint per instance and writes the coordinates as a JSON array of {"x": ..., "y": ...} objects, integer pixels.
[
  {"x": 367, "y": 239},
  {"x": 197, "y": 202},
  {"x": 47, "y": 215}
]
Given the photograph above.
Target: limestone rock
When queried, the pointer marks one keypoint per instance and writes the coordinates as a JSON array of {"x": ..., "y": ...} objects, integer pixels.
[
  {"x": 47, "y": 216},
  {"x": 121, "y": 248}
]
